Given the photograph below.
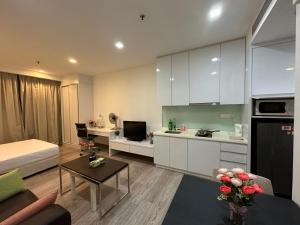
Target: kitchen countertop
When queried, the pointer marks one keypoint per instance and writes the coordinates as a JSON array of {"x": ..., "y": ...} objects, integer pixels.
[{"x": 222, "y": 136}]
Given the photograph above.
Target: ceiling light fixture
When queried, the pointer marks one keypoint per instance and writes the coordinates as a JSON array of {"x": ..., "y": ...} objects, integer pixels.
[
  {"x": 215, "y": 59},
  {"x": 72, "y": 60},
  {"x": 215, "y": 12},
  {"x": 289, "y": 68},
  {"x": 157, "y": 70},
  {"x": 213, "y": 73},
  {"x": 119, "y": 45}
]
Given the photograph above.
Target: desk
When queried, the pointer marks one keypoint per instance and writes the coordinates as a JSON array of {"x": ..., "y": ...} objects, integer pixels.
[
  {"x": 103, "y": 132},
  {"x": 195, "y": 202}
]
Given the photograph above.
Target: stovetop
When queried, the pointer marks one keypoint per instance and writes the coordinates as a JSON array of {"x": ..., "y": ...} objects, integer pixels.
[{"x": 205, "y": 133}]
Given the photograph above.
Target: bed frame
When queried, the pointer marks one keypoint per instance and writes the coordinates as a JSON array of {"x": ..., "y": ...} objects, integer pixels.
[{"x": 37, "y": 166}]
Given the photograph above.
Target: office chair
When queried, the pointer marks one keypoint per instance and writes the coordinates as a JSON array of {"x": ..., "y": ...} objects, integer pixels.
[{"x": 86, "y": 141}]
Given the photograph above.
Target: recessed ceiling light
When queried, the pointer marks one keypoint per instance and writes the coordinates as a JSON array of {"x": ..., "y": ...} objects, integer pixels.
[
  {"x": 157, "y": 70},
  {"x": 215, "y": 59},
  {"x": 289, "y": 68},
  {"x": 215, "y": 12},
  {"x": 119, "y": 45},
  {"x": 72, "y": 60}
]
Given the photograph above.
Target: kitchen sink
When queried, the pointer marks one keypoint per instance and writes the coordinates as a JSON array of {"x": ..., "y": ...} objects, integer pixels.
[{"x": 173, "y": 132}]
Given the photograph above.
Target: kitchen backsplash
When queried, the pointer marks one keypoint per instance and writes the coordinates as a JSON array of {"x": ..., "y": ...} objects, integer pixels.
[{"x": 221, "y": 117}]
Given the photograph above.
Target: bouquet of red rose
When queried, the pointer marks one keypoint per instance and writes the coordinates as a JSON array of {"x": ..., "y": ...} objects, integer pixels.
[{"x": 238, "y": 187}]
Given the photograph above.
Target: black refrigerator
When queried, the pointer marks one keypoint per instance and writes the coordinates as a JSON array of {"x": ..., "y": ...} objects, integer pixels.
[{"x": 272, "y": 152}]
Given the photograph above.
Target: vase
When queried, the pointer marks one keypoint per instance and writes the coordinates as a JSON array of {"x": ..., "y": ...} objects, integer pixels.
[{"x": 237, "y": 214}]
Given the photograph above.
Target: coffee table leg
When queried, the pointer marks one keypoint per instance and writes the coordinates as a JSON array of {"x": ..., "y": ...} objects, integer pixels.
[
  {"x": 117, "y": 181},
  {"x": 60, "y": 181},
  {"x": 128, "y": 179},
  {"x": 93, "y": 193},
  {"x": 73, "y": 187},
  {"x": 100, "y": 199}
]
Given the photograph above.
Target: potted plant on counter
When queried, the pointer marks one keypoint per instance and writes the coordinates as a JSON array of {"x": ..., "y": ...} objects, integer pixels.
[{"x": 238, "y": 188}]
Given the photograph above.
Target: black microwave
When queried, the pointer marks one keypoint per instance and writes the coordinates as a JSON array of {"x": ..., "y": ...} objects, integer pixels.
[{"x": 274, "y": 107}]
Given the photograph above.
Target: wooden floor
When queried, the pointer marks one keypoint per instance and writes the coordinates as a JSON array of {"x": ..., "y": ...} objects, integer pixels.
[{"x": 152, "y": 190}]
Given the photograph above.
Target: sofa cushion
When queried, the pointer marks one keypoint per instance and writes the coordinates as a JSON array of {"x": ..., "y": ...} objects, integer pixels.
[
  {"x": 11, "y": 183},
  {"x": 15, "y": 203},
  {"x": 30, "y": 210}
]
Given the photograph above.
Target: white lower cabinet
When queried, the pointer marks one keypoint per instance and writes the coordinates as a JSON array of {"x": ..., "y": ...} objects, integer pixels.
[
  {"x": 198, "y": 156},
  {"x": 178, "y": 153},
  {"x": 162, "y": 150},
  {"x": 203, "y": 156}
]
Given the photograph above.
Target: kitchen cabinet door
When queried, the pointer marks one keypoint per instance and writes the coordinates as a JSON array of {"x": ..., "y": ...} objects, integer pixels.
[
  {"x": 232, "y": 75},
  {"x": 204, "y": 64},
  {"x": 163, "y": 80},
  {"x": 162, "y": 150},
  {"x": 273, "y": 69},
  {"x": 180, "y": 79},
  {"x": 203, "y": 156},
  {"x": 178, "y": 153}
]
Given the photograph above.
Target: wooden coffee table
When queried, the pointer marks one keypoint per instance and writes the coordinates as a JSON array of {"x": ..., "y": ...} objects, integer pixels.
[{"x": 95, "y": 177}]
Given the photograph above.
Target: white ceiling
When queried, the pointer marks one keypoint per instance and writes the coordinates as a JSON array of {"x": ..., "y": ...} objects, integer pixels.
[
  {"x": 279, "y": 24},
  {"x": 53, "y": 30}
]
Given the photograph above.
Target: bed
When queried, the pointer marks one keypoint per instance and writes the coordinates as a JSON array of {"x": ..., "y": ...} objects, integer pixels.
[{"x": 31, "y": 156}]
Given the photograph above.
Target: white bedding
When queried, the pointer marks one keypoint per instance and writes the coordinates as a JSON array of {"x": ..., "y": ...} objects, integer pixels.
[{"x": 17, "y": 154}]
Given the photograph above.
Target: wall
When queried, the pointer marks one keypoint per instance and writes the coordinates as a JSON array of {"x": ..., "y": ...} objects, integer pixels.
[
  {"x": 30, "y": 73},
  {"x": 131, "y": 94},
  {"x": 86, "y": 99},
  {"x": 219, "y": 117},
  {"x": 296, "y": 172},
  {"x": 85, "y": 95}
]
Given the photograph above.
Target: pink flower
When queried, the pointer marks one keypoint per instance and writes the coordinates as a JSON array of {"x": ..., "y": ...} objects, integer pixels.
[
  {"x": 236, "y": 182},
  {"x": 252, "y": 176},
  {"x": 249, "y": 190},
  {"x": 219, "y": 176},
  {"x": 258, "y": 188},
  {"x": 237, "y": 170},
  {"x": 225, "y": 178},
  {"x": 243, "y": 176},
  {"x": 225, "y": 189},
  {"x": 230, "y": 174},
  {"x": 222, "y": 170}
]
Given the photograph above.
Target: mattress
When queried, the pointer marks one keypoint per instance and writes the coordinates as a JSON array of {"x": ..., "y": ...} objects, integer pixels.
[{"x": 20, "y": 153}]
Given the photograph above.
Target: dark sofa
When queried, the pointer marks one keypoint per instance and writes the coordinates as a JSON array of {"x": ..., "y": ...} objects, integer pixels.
[{"x": 52, "y": 215}]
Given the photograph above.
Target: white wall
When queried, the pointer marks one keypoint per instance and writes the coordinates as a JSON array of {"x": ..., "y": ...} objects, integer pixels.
[
  {"x": 131, "y": 94},
  {"x": 296, "y": 172},
  {"x": 30, "y": 73},
  {"x": 85, "y": 98},
  {"x": 85, "y": 95}
]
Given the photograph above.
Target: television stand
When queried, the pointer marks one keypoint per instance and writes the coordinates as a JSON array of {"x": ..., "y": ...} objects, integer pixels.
[{"x": 136, "y": 147}]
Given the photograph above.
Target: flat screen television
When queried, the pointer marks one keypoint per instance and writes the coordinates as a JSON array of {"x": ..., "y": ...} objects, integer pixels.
[{"x": 134, "y": 130}]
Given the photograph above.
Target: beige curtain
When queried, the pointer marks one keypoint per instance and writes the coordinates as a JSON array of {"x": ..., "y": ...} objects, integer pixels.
[
  {"x": 41, "y": 108},
  {"x": 10, "y": 117}
]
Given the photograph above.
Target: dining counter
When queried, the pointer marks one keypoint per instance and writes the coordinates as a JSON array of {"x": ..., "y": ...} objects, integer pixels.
[{"x": 195, "y": 203}]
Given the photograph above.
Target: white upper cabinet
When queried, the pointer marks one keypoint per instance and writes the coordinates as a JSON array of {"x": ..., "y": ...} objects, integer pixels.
[
  {"x": 273, "y": 69},
  {"x": 213, "y": 74},
  {"x": 204, "y": 65},
  {"x": 163, "y": 80},
  {"x": 232, "y": 74},
  {"x": 180, "y": 79}
]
